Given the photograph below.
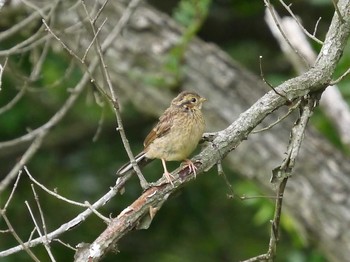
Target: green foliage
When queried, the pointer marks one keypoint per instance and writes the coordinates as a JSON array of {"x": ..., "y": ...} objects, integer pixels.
[
  {"x": 190, "y": 14},
  {"x": 244, "y": 8},
  {"x": 326, "y": 127}
]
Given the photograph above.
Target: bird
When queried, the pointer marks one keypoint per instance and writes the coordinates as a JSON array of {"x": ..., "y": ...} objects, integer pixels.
[{"x": 176, "y": 135}]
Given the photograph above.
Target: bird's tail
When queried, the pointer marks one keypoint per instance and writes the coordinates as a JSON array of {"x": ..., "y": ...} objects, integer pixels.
[{"x": 140, "y": 159}]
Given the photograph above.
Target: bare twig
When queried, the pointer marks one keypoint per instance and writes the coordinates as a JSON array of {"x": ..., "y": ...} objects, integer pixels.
[
  {"x": 65, "y": 244},
  {"x": 24, "y": 159},
  {"x": 66, "y": 75},
  {"x": 316, "y": 26},
  {"x": 57, "y": 117},
  {"x": 2, "y": 68},
  {"x": 74, "y": 222},
  {"x": 274, "y": 232},
  {"x": 105, "y": 219},
  {"x": 100, "y": 124},
  {"x": 267, "y": 83},
  {"x": 35, "y": 38},
  {"x": 45, "y": 239},
  {"x": 92, "y": 23},
  {"x": 335, "y": 4},
  {"x": 13, "y": 190},
  {"x": 13, "y": 101},
  {"x": 282, "y": 173},
  {"x": 58, "y": 196},
  {"x": 94, "y": 39},
  {"x": 332, "y": 102},
  {"x": 23, "y": 23},
  {"x": 24, "y": 246},
  {"x": 290, "y": 110},
  {"x": 345, "y": 74},
  {"x": 276, "y": 20},
  {"x": 114, "y": 99},
  {"x": 39, "y": 232},
  {"x": 33, "y": 6},
  {"x": 228, "y": 184},
  {"x": 312, "y": 36},
  {"x": 70, "y": 51},
  {"x": 31, "y": 42}
]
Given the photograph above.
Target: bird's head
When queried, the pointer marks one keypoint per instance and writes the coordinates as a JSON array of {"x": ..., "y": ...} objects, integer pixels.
[{"x": 188, "y": 100}]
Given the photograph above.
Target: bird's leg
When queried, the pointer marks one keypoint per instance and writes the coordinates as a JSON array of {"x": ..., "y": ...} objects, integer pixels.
[
  {"x": 167, "y": 175},
  {"x": 191, "y": 167}
]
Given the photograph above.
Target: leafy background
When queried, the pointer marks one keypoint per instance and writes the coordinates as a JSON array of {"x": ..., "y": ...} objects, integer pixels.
[{"x": 80, "y": 157}]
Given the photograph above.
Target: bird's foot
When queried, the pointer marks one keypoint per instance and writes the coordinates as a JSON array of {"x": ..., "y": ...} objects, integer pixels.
[
  {"x": 191, "y": 167},
  {"x": 169, "y": 177}
]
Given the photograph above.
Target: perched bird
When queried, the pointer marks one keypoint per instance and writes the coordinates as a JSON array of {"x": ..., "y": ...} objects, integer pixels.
[{"x": 176, "y": 135}]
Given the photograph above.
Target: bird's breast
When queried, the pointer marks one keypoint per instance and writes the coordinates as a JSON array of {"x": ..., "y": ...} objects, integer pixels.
[{"x": 181, "y": 140}]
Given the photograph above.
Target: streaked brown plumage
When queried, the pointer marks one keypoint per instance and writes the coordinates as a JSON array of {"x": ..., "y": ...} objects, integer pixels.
[{"x": 176, "y": 135}]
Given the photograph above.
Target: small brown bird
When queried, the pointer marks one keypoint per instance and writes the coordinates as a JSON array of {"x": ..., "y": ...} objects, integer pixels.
[{"x": 176, "y": 135}]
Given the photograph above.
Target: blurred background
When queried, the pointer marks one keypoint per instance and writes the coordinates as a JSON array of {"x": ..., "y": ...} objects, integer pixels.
[{"x": 79, "y": 158}]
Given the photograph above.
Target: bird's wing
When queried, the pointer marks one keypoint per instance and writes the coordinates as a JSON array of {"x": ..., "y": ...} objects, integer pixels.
[{"x": 162, "y": 128}]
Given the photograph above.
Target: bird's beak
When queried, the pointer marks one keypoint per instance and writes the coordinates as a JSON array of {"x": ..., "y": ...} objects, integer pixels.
[{"x": 203, "y": 99}]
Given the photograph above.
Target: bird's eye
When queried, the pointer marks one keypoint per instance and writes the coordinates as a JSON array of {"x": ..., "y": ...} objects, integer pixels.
[{"x": 194, "y": 100}]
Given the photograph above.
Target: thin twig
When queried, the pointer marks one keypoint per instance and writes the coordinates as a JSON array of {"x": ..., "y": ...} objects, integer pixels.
[
  {"x": 93, "y": 39},
  {"x": 114, "y": 99},
  {"x": 99, "y": 125},
  {"x": 39, "y": 231},
  {"x": 32, "y": 149},
  {"x": 267, "y": 83},
  {"x": 2, "y": 68},
  {"x": 45, "y": 239},
  {"x": 280, "y": 119},
  {"x": 58, "y": 115},
  {"x": 345, "y": 74},
  {"x": 316, "y": 26},
  {"x": 105, "y": 219},
  {"x": 23, "y": 23},
  {"x": 39, "y": 63},
  {"x": 24, "y": 246},
  {"x": 73, "y": 222},
  {"x": 65, "y": 244},
  {"x": 34, "y": 7},
  {"x": 33, "y": 38},
  {"x": 275, "y": 224},
  {"x": 66, "y": 75},
  {"x": 335, "y": 4},
  {"x": 31, "y": 42},
  {"x": 92, "y": 22},
  {"x": 99, "y": 11},
  {"x": 312, "y": 36},
  {"x": 276, "y": 20},
  {"x": 13, "y": 190},
  {"x": 228, "y": 184},
  {"x": 283, "y": 172},
  {"x": 80, "y": 60},
  {"x": 70, "y": 51},
  {"x": 13, "y": 101},
  {"x": 58, "y": 196},
  {"x": 331, "y": 103},
  {"x": 31, "y": 235}
]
